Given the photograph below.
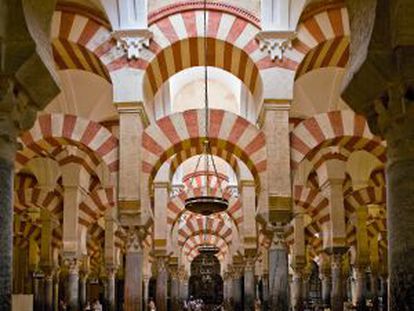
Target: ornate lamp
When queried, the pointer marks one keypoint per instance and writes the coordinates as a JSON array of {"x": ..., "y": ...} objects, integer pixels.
[{"x": 208, "y": 203}]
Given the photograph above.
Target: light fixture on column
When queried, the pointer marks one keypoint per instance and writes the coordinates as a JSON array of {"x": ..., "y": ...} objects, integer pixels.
[{"x": 208, "y": 203}]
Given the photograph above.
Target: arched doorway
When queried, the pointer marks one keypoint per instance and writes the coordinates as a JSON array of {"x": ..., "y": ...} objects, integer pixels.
[{"x": 205, "y": 280}]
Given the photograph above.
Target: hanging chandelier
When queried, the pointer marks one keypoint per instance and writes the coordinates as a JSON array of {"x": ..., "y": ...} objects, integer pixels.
[{"x": 207, "y": 203}]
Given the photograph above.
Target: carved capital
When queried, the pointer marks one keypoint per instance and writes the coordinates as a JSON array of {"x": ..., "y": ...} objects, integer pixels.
[
  {"x": 275, "y": 42},
  {"x": 134, "y": 237},
  {"x": 72, "y": 265},
  {"x": 132, "y": 41}
]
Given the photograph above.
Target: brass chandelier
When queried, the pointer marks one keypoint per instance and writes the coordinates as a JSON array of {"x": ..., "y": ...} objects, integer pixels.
[{"x": 207, "y": 203}]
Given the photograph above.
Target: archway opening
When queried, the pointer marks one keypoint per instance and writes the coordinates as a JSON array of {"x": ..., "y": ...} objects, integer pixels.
[{"x": 206, "y": 283}]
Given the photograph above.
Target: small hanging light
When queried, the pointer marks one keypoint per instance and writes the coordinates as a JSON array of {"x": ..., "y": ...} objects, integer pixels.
[{"x": 207, "y": 203}]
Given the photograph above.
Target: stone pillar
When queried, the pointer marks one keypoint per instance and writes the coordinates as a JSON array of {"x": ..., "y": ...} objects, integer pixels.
[
  {"x": 360, "y": 293},
  {"x": 278, "y": 271},
  {"x": 236, "y": 289},
  {"x": 133, "y": 272},
  {"x": 162, "y": 280},
  {"x": 131, "y": 125},
  {"x": 249, "y": 284},
  {"x": 297, "y": 287},
  {"x": 265, "y": 282},
  {"x": 110, "y": 272},
  {"x": 72, "y": 285},
  {"x": 56, "y": 282},
  {"x": 337, "y": 290},
  {"x": 38, "y": 289},
  {"x": 325, "y": 277},
  {"x": 146, "y": 290},
  {"x": 184, "y": 286},
  {"x": 83, "y": 279},
  {"x": 22, "y": 63},
  {"x": 400, "y": 201},
  {"x": 175, "y": 292},
  {"x": 384, "y": 292},
  {"x": 227, "y": 279},
  {"x": 374, "y": 290},
  {"x": 7, "y": 150},
  {"x": 48, "y": 292}
]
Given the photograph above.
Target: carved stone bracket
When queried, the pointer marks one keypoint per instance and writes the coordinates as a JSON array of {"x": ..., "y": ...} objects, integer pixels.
[
  {"x": 275, "y": 42},
  {"x": 133, "y": 41}
]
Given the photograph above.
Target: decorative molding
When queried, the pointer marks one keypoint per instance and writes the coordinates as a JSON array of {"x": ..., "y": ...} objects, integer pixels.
[
  {"x": 134, "y": 107},
  {"x": 132, "y": 41},
  {"x": 276, "y": 42},
  {"x": 184, "y": 6}
]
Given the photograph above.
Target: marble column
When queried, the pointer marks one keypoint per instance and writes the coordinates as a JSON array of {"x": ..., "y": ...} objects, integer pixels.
[
  {"x": 236, "y": 289},
  {"x": 48, "y": 292},
  {"x": 326, "y": 283},
  {"x": 6, "y": 221},
  {"x": 265, "y": 282},
  {"x": 374, "y": 290},
  {"x": 184, "y": 287},
  {"x": 297, "y": 287},
  {"x": 38, "y": 290},
  {"x": 175, "y": 292},
  {"x": 249, "y": 284},
  {"x": 400, "y": 203},
  {"x": 146, "y": 290},
  {"x": 56, "y": 281},
  {"x": 230, "y": 288},
  {"x": 110, "y": 272},
  {"x": 161, "y": 284},
  {"x": 226, "y": 286},
  {"x": 133, "y": 272},
  {"x": 337, "y": 290},
  {"x": 83, "y": 289},
  {"x": 305, "y": 287},
  {"x": 278, "y": 272},
  {"x": 384, "y": 292},
  {"x": 360, "y": 293},
  {"x": 73, "y": 285}
]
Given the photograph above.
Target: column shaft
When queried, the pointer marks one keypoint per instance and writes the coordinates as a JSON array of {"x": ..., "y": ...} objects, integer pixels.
[
  {"x": 297, "y": 294},
  {"x": 400, "y": 225},
  {"x": 73, "y": 290},
  {"x": 175, "y": 299},
  {"x": 278, "y": 279},
  {"x": 360, "y": 295},
  {"x": 82, "y": 290},
  {"x": 337, "y": 296},
  {"x": 49, "y": 292},
  {"x": 237, "y": 298},
  {"x": 111, "y": 291},
  {"x": 133, "y": 281},
  {"x": 6, "y": 232},
  {"x": 162, "y": 279},
  {"x": 265, "y": 282},
  {"x": 249, "y": 286}
]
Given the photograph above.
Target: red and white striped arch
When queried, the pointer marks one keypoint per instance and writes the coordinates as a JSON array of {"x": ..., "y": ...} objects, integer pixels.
[
  {"x": 53, "y": 130},
  {"x": 52, "y": 201},
  {"x": 340, "y": 128},
  {"x": 178, "y": 43},
  {"x": 322, "y": 39},
  {"x": 192, "y": 244},
  {"x": 95, "y": 205},
  {"x": 186, "y": 154},
  {"x": 195, "y": 225},
  {"x": 312, "y": 202},
  {"x": 364, "y": 197},
  {"x": 80, "y": 41},
  {"x": 182, "y": 131}
]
